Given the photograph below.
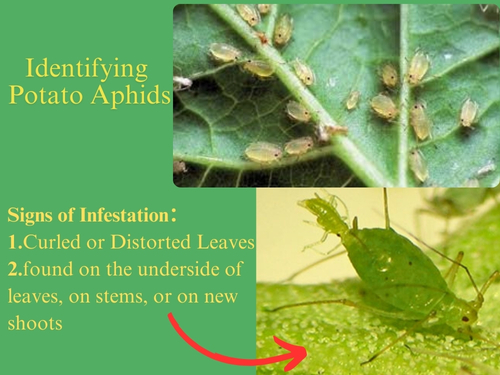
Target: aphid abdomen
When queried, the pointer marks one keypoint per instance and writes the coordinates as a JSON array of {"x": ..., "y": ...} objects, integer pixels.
[
  {"x": 299, "y": 146},
  {"x": 384, "y": 107},
  {"x": 420, "y": 121},
  {"x": 283, "y": 30},
  {"x": 263, "y": 152},
  {"x": 468, "y": 113},
  {"x": 396, "y": 270},
  {"x": 419, "y": 66},
  {"x": 224, "y": 53},
  {"x": 249, "y": 13}
]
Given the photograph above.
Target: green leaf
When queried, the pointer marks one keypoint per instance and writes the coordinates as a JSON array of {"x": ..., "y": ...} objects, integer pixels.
[
  {"x": 226, "y": 108},
  {"x": 338, "y": 338}
]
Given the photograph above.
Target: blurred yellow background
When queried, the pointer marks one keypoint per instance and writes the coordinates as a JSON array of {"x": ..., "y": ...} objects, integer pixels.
[{"x": 282, "y": 232}]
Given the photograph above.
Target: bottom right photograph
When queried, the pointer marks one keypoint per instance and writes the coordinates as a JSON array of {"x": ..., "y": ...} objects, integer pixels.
[{"x": 379, "y": 281}]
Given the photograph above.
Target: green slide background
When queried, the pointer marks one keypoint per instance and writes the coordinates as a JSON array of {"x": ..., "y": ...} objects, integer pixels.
[{"x": 61, "y": 156}]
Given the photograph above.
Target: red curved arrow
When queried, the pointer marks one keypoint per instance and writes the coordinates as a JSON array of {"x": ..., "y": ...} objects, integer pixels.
[{"x": 296, "y": 353}]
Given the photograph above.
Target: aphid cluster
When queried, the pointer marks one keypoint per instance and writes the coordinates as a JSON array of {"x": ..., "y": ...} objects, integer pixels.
[
  {"x": 382, "y": 104},
  {"x": 421, "y": 122},
  {"x": 267, "y": 153}
]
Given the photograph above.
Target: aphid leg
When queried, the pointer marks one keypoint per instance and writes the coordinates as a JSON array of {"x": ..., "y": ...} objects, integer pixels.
[
  {"x": 312, "y": 265},
  {"x": 470, "y": 362},
  {"x": 452, "y": 271},
  {"x": 346, "y": 302},
  {"x": 323, "y": 239},
  {"x": 493, "y": 277},
  {"x": 413, "y": 328},
  {"x": 478, "y": 336}
]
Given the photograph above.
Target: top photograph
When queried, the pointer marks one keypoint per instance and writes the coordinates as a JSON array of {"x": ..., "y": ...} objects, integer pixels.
[{"x": 328, "y": 95}]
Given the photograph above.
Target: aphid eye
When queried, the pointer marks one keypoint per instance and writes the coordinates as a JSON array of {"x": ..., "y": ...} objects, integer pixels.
[
  {"x": 415, "y": 106},
  {"x": 465, "y": 319}
]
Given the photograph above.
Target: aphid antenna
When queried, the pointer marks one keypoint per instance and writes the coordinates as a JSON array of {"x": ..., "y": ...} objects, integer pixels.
[
  {"x": 407, "y": 332},
  {"x": 348, "y": 181},
  {"x": 313, "y": 245}
]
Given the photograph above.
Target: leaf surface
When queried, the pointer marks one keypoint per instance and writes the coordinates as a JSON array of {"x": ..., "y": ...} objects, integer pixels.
[{"x": 226, "y": 109}]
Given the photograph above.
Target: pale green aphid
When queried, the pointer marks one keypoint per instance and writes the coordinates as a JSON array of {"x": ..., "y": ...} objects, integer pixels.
[
  {"x": 398, "y": 273},
  {"x": 299, "y": 146},
  {"x": 249, "y": 13},
  {"x": 419, "y": 66},
  {"x": 384, "y": 107},
  {"x": 263, "y": 152},
  {"x": 297, "y": 112},
  {"x": 468, "y": 113},
  {"x": 304, "y": 72},
  {"x": 283, "y": 30},
  {"x": 420, "y": 122},
  {"x": 224, "y": 53},
  {"x": 259, "y": 68},
  {"x": 352, "y": 100},
  {"x": 264, "y": 8},
  {"x": 389, "y": 76},
  {"x": 418, "y": 165}
]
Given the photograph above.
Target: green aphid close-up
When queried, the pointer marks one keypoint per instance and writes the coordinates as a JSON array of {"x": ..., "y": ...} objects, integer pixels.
[{"x": 412, "y": 310}]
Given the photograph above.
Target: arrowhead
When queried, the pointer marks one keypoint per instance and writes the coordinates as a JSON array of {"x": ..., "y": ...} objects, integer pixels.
[{"x": 298, "y": 353}]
